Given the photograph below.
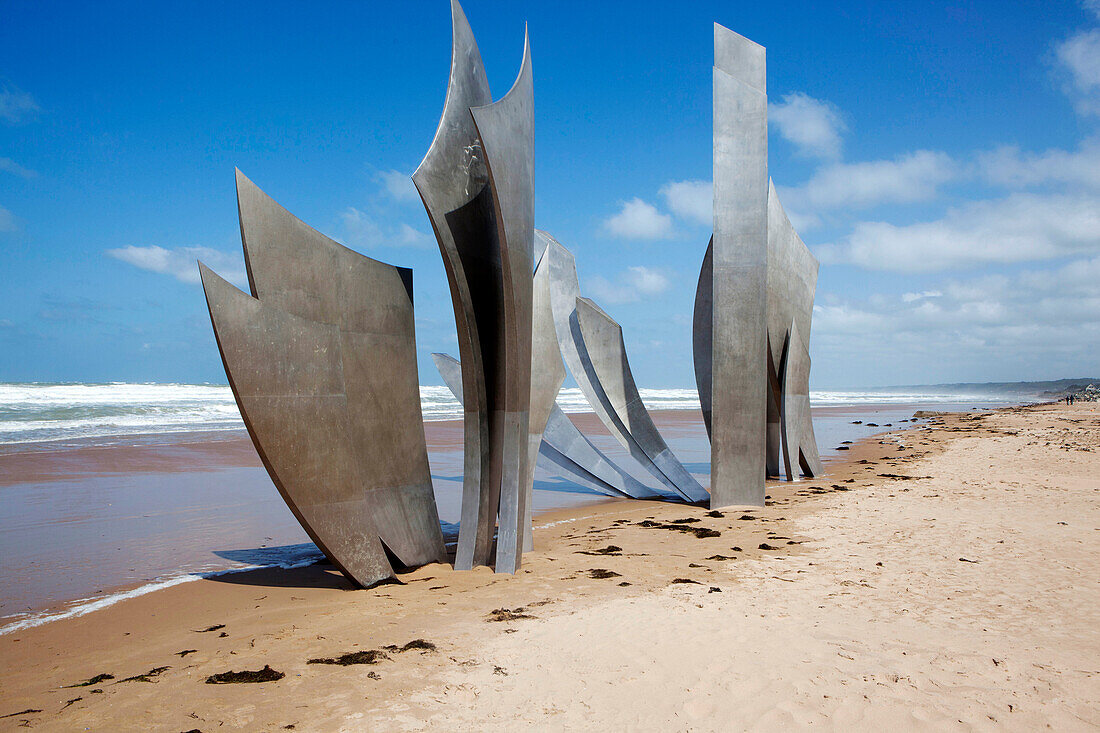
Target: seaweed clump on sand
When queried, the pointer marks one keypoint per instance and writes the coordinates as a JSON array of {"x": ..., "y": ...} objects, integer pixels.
[
  {"x": 28, "y": 711},
  {"x": 367, "y": 656},
  {"x": 699, "y": 532},
  {"x": 154, "y": 672},
  {"x": 422, "y": 644},
  {"x": 508, "y": 614},
  {"x": 609, "y": 550},
  {"x": 267, "y": 674},
  {"x": 680, "y": 581},
  {"x": 603, "y": 574},
  {"x": 92, "y": 681}
]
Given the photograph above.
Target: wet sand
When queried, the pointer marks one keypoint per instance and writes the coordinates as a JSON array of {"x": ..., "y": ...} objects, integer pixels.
[
  {"x": 941, "y": 577},
  {"x": 83, "y": 521}
]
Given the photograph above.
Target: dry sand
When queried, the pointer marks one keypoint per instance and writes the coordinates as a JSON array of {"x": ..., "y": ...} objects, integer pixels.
[{"x": 962, "y": 596}]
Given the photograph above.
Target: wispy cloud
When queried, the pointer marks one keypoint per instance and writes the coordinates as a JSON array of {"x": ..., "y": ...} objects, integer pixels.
[
  {"x": 7, "y": 221},
  {"x": 1021, "y": 227},
  {"x": 1008, "y": 166},
  {"x": 8, "y": 165},
  {"x": 16, "y": 105},
  {"x": 813, "y": 126},
  {"x": 629, "y": 286},
  {"x": 690, "y": 200},
  {"x": 1023, "y": 322},
  {"x": 180, "y": 262},
  {"x": 361, "y": 230},
  {"x": 639, "y": 220},
  {"x": 398, "y": 185},
  {"x": 908, "y": 178},
  {"x": 1079, "y": 56}
]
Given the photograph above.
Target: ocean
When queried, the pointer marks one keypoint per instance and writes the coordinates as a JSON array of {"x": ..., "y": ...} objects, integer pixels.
[{"x": 108, "y": 414}]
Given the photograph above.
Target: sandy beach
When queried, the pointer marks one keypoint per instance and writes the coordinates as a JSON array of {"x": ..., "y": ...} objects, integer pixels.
[{"x": 940, "y": 577}]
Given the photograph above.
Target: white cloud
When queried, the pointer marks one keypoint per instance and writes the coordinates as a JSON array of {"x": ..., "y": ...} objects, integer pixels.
[
  {"x": 1007, "y": 305},
  {"x": 911, "y": 297},
  {"x": 10, "y": 166},
  {"x": 399, "y": 185},
  {"x": 1018, "y": 228},
  {"x": 15, "y": 104},
  {"x": 691, "y": 200},
  {"x": 639, "y": 220},
  {"x": 362, "y": 231},
  {"x": 813, "y": 126},
  {"x": 1080, "y": 56},
  {"x": 180, "y": 262},
  {"x": 1044, "y": 322},
  {"x": 630, "y": 285},
  {"x": 908, "y": 178},
  {"x": 1007, "y": 166}
]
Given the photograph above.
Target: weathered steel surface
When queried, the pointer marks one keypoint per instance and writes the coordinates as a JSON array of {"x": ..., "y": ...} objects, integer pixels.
[
  {"x": 739, "y": 329},
  {"x": 453, "y": 182},
  {"x": 792, "y": 281},
  {"x": 799, "y": 443},
  {"x": 299, "y": 271},
  {"x": 506, "y": 129},
  {"x": 702, "y": 343},
  {"x": 574, "y": 453},
  {"x": 322, "y": 362},
  {"x": 547, "y": 375},
  {"x": 564, "y": 292},
  {"x": 565, "y": 446},
  {"x": 606, "y": 350},
  {"x": 792, "y": 278}
]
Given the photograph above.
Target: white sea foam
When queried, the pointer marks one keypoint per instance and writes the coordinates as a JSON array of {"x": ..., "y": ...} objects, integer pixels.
[{"x": 33, "y": 413}]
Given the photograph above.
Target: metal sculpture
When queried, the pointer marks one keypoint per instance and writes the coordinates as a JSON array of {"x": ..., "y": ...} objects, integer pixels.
[
  {"x": 603, "y": 341},
  {"x": 454, "y": 186},
  {"x": 799, "y": 444},
  {"x": 580, "y": 358},
  {"x": 477, "y": 186},
  {"x": 565, "y": 446},
  {"x": 739, "y": 381},
  {"x": 321, "y": 359},
  {"x": 792, "y": 281},
  {"x": 757, "y": 278}
]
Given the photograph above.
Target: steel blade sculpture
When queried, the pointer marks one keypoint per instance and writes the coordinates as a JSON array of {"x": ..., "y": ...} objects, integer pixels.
[
  {"x": 477, "y": 187},
  {"x": 756, "y": 285},
  {"x": 321, "y": 355},
  {"x": 565, "y": 446},
  {"x": 608, "y": 388},
  {"x": 321, "y": 359}
]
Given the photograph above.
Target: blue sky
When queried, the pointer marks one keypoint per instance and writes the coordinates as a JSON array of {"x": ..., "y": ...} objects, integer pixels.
[{"x": 942, "y": 160}]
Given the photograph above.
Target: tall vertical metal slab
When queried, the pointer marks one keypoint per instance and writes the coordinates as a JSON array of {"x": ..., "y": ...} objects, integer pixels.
[
  {"x": 453, "y": 182},
  {"x": 506, "y": 129},
  {"x": 564, "y": 446},
  {"x": 739, "y": 364},
  {"x": 603, "y": 340},
  {"x": 799, "y": 443},
  {"x": 564, "y": 292}
]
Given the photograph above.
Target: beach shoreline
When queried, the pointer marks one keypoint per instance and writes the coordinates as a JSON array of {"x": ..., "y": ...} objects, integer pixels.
[
  {"x": 89, "y": 521},
  {"x": 578, "y": 600}
]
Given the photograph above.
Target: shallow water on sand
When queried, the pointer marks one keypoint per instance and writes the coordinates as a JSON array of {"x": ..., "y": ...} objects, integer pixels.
[{"x": 88, "y": 522}]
